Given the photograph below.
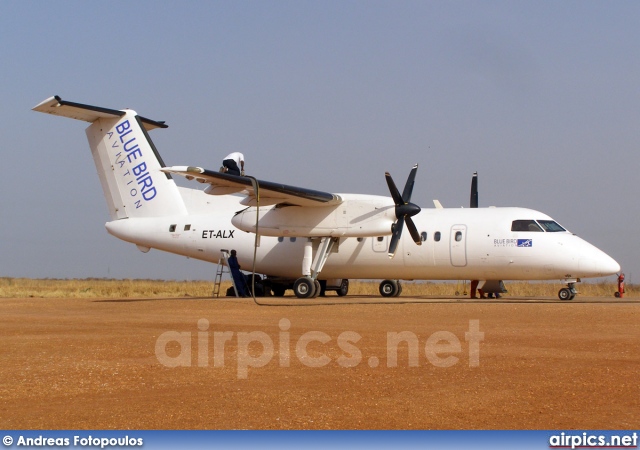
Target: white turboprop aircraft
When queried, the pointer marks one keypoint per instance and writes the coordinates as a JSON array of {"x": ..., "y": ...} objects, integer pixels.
[{"x": 307, "y": 235}]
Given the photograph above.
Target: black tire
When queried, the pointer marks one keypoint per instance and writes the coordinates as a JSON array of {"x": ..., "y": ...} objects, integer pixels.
[
  {"x": 258, "y": 288},
  {"x": 323, "y": 289},
  {"x": 389, "y": 288},
  {"x": 304, "y": 287},
  {"x": 318, "y": 288},
  {"x": 564, "y": 294},
  {"x": 343, "y": 289},
  {"x": 278, "y": 290},
  {"x": 616, "y": 294}
]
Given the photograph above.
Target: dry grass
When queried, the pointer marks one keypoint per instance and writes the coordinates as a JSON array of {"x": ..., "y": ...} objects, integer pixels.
[
  {"x": 96, "y": 287},
  {"x": 515, "y": 289},
  {"x": 101, "y": 288}
]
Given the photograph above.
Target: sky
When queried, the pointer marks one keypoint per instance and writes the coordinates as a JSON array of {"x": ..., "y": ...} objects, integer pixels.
[{"x": 542, "y": 98}]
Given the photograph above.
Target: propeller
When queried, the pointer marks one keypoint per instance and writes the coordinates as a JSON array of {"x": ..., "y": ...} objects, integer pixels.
[
  {"x": 473, "y": 202},
  {"x": 404, "y": 211}
]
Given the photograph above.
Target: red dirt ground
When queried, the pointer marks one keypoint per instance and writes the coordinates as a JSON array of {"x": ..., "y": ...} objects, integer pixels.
[{"x": 542, "y": 364}]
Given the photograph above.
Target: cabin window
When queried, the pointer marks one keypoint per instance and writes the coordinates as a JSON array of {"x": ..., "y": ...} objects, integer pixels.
[
  {"x": 187, "y": 227},
  {"x": 436, "y": 236},
  {"x": 280, "y": 239},
  {"x": 458, "y": 236},
  {"x": 550, "y": 226},
  {"x": 423, "y": 236},
  {"x": 172, "y": 228},
  {"x": 525, "y": 225}
]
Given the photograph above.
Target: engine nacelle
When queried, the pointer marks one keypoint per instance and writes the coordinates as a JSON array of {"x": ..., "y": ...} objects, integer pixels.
[{"x": 361, "y": 216}]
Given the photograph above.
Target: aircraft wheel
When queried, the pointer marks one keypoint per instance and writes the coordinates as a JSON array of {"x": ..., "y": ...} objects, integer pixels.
[
  {"x": 318, "y": 288},
  {"x": 304, "y": 287},
  {"x": 616, "y": 294},
  {"x": 344, "y": 288},
  {"x": 399, "y": 289},
  {"x": 278, "y": 290},
  {"x": 389, "y": 288},
  {"x": 565, "y": 294}
]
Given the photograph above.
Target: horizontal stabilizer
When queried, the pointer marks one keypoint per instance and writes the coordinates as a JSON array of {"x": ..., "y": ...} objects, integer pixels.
[
  {"x": 58, "y": 107},
  {"x": 270, "y": 193}
]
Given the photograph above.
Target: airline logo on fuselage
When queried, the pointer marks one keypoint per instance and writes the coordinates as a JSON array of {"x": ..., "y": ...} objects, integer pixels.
[
  {"x": 136, "y": 176},
  {"x": 513, "y": 242}
]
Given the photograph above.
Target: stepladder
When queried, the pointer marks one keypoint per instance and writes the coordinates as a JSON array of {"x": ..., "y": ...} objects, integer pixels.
[{"x": 223, "y": 267}]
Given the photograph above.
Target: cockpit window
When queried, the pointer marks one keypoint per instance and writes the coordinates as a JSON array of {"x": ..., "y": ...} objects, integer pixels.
[
  {"x": 525, "y": 225},
  {"x": 550, "y": 226}
]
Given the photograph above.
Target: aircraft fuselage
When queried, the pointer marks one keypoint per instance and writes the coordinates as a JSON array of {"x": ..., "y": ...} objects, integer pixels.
[{"x": 457, "y": 244}]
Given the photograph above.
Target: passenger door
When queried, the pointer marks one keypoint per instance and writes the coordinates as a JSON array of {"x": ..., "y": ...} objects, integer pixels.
[{"x": 458, "y": 245}]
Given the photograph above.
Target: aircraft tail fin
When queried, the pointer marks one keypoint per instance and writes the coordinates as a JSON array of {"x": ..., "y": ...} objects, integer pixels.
[{"x": 126, "y": 159}]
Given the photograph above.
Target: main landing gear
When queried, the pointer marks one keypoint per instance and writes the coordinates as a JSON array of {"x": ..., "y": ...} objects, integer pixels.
[
  {"x": 569, "y": 292},
  {"x": 308, "y": 285}
]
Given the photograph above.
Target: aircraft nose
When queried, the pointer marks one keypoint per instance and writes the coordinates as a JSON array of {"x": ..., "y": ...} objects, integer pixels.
[
  {"x": 608, "y": 266},
  {"x": 599, "y": 265}
]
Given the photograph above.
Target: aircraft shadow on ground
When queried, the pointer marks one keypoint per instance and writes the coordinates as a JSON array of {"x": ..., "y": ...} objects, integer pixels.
[{"x": 374, "y": 300}]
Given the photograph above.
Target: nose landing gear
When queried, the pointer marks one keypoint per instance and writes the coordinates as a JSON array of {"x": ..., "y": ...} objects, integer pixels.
[{"x": 570, "y": 291}]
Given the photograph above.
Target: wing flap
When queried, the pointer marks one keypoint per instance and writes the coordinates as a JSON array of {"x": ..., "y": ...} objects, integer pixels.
[{"x": 270, "y": 193}]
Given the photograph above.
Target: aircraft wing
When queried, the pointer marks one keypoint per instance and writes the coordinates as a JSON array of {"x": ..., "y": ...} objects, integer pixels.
[{"x": 270, "y": 193}]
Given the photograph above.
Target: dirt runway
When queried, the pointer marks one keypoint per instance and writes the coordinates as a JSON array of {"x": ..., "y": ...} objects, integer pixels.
[{"x": 353, "y": 363}]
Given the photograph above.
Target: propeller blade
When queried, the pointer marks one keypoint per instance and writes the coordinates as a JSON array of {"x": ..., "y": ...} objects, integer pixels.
[
  {"x": 404, "y": 210},
  {"x": 408, "y": 187},
  {"x": 473, "y": 202},
  {"x": 395, "y": 237},
  {"x": 414, "y": 231},
  {"x": 395, "y": 194}
]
